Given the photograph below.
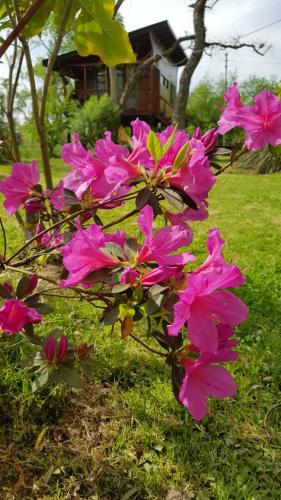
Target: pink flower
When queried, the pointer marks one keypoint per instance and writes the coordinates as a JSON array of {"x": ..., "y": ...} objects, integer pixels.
[
  {"x": 129, "y": 276},
  {"x": 203, "y": 378},
  {"x": 17, "y": 187},
  {"x": 195, "y": 177},
  {"x": 52, "y": 238},
  {"x": 228, "y": 119},
  {"x": 205, "y": 303},
  {"x": 58, "y": 199},
  {"x": 89, "y": 173},
  {"x": 209, "y": 139},
  {"x": 33, "y": 205},
  {"x": 166, "y": 240},
  {"x": 188, "y": 215},
  {"x": 14, "y": 315},
  {"x": 261, "y": 122},
  {"x": 84, "y": 254},
  {"x": 53, "y": 351}
]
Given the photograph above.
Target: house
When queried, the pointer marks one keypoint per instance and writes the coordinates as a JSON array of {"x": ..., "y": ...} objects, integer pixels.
[{"x": 154, "y": 95}]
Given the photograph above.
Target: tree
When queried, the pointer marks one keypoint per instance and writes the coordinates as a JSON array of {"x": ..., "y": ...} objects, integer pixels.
[
  {"x": 94, "y": 118},
  {"x": 96, "y": 32},
  {"x": 198, "y": 47}
]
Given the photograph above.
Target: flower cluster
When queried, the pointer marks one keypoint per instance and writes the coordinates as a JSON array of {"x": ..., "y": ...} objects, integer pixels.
[
  {"x": 261, "y": 122},
  {"x": 142, "y": 271}
]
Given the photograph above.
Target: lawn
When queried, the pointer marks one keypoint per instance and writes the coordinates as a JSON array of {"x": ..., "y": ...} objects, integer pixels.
[{"x": 125, "y": 437}]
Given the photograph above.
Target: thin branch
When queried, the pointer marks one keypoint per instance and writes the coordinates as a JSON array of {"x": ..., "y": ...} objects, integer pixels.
[
  {"x": 140, "y": 67},
  {"x": 159, "y": 353},
  {"x": 130, "y": 214},
  {"x": 237, "y": 45},
  {"x": 4, "y": 238},
  {"x": 67, "y": 219}
]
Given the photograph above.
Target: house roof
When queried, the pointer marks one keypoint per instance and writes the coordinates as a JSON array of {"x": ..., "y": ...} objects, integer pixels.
[{"x": 141, "y": 42}]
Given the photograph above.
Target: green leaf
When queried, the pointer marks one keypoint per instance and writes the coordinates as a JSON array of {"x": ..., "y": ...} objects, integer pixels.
[
  {"x": 32, "y": 300},
  {"x": 69, "y": 377},
  {"x": 154, "y": 146},
  {"x": 142, "y": 198},
  {"x": 111, "y": 316},
  {"x": 114, "y": 250},
  {"x": 131, "y": 248},
  {"x": 126, "y": 310},
  {"x": 170, "y": 141},
  {"x": 173, "y": 198},
  {"x": 185, "y": 197},
  {"x": 97, "y": 33},
  {"x": 41, "y": 380},
  {"x": 120, "y": 288},
  {"x": 39, "y": 19},
  {"x": 181, "y": 157},
  {"x": 138, "y": 293},
  {"x": 22, "y": 287},
  {"x": 43, "y": 308},
  {"x": 156, "y": 289}
]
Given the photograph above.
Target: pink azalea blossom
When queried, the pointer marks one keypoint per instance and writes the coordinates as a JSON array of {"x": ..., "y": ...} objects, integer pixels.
[
  {"x": 84, "y": 255},
  {"x": 228, "y": 119},
  {"x": 114, "y": 168},
  {"x": 204, "y": 378},
  {"x": 18, "y": 186},
  {"x": 33, "y": 205},
  {"x": 205, "y": 303},
  {"x": 209, "y": 139},
  {"x": 58, "y": 199},
  {"x": 103, "y": 180},
  {"x": 52, "y": 238},
  {"x": 14, "y": 315},
  {"x": 86, "y": 252},
  {"x": 53, "y": 351},
  {"x": 261, "y": 122},
  {"x": 165, "y": 240}
]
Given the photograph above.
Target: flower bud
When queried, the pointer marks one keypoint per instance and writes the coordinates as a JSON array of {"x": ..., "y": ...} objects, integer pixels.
[
  {"x": 210, "y": 139},
  {"x": 33, "y": 205}
]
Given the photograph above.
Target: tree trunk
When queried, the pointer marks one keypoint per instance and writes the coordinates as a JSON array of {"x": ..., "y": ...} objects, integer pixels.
[
  {"x": 13, "y": 136},
  {"x": 113, "y": 85},
  {"x": 179, "y": 115}
]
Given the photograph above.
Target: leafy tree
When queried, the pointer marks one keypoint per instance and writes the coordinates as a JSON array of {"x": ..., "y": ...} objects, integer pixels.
[
  {"x": 96, "y": 32},
  {"x": 205, "y": 103},
  {"x": 94, "y": 117}
]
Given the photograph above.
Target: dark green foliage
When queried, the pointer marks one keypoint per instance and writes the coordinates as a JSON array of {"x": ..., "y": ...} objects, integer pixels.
[{"x": 93, "y": 119}]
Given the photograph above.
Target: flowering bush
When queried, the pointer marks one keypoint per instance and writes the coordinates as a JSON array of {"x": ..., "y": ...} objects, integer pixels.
[{"x": 146, "y": 276}]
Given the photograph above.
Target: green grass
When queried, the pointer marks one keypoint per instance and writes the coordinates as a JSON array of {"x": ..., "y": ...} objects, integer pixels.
[{"x": 126, "y": 433}]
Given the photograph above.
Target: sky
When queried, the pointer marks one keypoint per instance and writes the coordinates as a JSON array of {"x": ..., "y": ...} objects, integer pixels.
[{"x": 228, "y": 19}]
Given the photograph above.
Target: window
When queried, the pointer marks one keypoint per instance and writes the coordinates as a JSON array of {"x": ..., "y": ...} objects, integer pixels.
[{"x": 165, "y": 82}]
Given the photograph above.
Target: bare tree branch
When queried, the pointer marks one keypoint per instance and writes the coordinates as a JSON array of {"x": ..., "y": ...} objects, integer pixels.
[
  {"x": 141, "y": 66},
  {"x": 260, "y": 49}
]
